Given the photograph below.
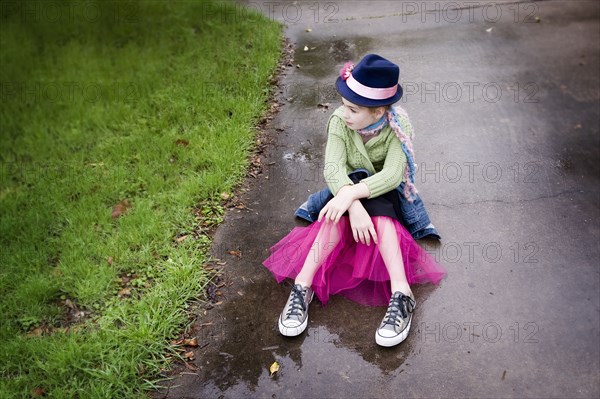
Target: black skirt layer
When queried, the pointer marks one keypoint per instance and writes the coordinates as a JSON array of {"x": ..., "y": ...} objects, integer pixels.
[{"x": 387, "y": 204}]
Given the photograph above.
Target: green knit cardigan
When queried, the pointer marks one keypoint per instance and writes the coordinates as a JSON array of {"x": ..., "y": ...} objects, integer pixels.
[{"x": 382, "y": 156}]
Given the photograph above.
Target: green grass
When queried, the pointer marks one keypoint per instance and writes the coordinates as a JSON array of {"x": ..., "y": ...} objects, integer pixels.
[{"x": 152, "y": 102}]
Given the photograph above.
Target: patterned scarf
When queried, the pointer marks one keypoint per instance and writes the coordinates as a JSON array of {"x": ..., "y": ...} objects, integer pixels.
[
  {"x": 392, "y": 118},
  {"x": 373, "y": 129}
]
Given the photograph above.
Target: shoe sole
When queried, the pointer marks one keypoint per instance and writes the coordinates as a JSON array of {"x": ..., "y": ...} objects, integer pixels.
[
  {"x": 392, "y": 341},
  {"x": 295, "y": 331}
]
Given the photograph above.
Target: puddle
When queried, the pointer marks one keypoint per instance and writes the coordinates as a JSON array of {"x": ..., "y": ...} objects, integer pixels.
[
  {"x": 338, "y": 346},
  {"x": 324, "y": 57},
  {"x": 328, "y": 350},
  {"x": 302, "y": 155}
]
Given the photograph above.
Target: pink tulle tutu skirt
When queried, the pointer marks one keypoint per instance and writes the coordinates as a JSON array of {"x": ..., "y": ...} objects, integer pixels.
[{"x": 353, "y": 270}]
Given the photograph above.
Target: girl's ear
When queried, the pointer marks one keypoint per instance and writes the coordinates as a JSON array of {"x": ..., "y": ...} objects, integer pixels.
[{"x": 379, "y": 111}]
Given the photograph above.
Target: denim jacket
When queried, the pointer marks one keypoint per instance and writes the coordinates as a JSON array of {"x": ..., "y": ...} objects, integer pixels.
[{"x": 414, "y": 215}]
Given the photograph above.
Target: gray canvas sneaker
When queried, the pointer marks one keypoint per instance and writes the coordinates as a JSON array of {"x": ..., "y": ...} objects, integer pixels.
[
  {"x": 396, "y": 323},
  {"x": 294, "y": 317}
]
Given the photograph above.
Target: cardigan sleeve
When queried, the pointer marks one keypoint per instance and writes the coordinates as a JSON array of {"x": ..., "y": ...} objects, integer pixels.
[
  {"x": 392, "y": 173},
  {"x": 336, "y": 158}
]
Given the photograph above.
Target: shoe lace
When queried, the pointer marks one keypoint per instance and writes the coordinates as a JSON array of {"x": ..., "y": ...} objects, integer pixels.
[
  {"x": 298, "y": 305},
  {"x": 400, "y": 304}
]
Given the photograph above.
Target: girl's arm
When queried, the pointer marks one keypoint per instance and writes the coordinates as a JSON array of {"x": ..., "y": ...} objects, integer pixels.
[
  {"x": 361, "y": 224},
  {"x": 336, "y": 158},
  {"x": 387, "y": 179},
  {"x": 336, "y": 172},
  {"x": 392, "y": 173},
  {"x": 338, "y": 205}
]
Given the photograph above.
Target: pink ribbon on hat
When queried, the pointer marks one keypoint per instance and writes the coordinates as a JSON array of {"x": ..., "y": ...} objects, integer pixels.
[{"x": 372, "y": 93}]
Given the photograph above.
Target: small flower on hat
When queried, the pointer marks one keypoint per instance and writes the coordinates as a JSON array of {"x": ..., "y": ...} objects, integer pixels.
[{"x": 346, "y": 70}]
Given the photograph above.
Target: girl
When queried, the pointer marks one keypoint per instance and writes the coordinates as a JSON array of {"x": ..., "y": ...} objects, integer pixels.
[{"x": 357, "y": 247}]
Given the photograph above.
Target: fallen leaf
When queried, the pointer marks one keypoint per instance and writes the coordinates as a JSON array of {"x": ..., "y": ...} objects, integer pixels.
[
  {"x": 119, "y": 209},
  {"x": 188, "y": 355},
  {"x": 235, "y": 253},
  {"x": 38, "y": 391},
  {"x": 36, "y": 332},
  {"x": 124, "y": 292},
  {"x": 181, "y": 239},
  {"x": 191, "y": 367},
  {"x": 110, "y": 260},
  {"x": 256, "y": 161},
  {"x": 191, "y": 342},
  {"x": 274, "y": 368}
]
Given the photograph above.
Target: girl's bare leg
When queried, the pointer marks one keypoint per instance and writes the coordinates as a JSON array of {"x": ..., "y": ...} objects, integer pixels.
[
  {"x": 389, "y": 247},
  {"x": 319, "y": 251}
]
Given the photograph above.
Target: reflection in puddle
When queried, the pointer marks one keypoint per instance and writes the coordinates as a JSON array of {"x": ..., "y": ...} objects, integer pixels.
[{"x": 323, "y": 56}]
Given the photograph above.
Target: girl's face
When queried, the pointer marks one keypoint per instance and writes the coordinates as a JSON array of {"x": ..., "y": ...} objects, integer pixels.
[{"x": 359, "y": 117}]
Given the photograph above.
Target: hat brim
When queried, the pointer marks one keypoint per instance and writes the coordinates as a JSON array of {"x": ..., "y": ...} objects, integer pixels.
[{"x": 348, "y": 94}]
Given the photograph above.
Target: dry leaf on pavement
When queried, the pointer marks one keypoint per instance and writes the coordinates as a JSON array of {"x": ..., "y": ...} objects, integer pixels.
[
  {"x": 191, "y": 342},
  {"x": 274, "y": 368}
]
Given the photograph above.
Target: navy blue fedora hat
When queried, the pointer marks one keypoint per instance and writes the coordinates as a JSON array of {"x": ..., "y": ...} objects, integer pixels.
[{"x": 373, "y": 82}]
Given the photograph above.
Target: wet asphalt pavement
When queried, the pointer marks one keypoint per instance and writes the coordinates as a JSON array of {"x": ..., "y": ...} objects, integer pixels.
[{"x": 504, "y": 98}]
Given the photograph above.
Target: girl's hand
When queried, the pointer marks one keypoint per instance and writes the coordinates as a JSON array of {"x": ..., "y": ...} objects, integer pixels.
[
  {"x": 361, "y": 223},
  {"x": 337, "y": 206}
]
